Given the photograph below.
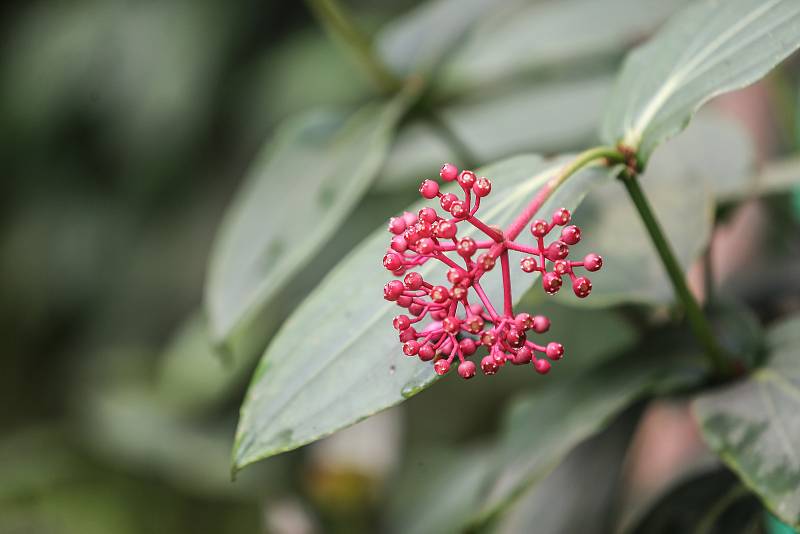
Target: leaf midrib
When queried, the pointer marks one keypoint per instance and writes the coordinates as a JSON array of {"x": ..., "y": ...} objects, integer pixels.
[{"x": 677, "y": 75}]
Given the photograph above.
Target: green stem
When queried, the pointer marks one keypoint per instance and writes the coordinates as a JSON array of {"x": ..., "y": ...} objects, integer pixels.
[
  {"x": 340, "y": 24},
  {"x": 697, "y": 321},
  {"x": 610, "y": 154}
]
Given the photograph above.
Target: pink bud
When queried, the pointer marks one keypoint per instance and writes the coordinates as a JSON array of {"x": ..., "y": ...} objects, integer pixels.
[
  {"x": 467, "y": 247},
  {"x": 429, "y": 189},
  {"x": 488, "y": 365},
  {"x": 466, "y": 369},
  {"x": 528, "y": 264},
  {"x": 482, "y": 187},
  {"x": 558, "y": 250},
  {"x": 447, "y": 200},
  {"x": 523, "y": 321},
  {"x": 561, "y": 216},
  {"x": 410, "y": 348},
  {"x": 439, "y": 294},
  {"x": 448, "y": 172},
  {"x": 551, "y": 283},
  {"x": 592, "y": 262},
  {"x": 399, "y": 243},
  {"x": 582, "y": 286},
  {"x": 397, "y": 225},
  {"x": 539, "y": 228},
  {"x": 426, "y": 246},
  {"x": 401, "y": 322},
  {"x": 541, "y": 324},
  {"x": 426, "y": 352},
  {"x": 392, "y": 261},
  {"x": 523, "y": 356},
  {"x": 451, "y": 325},
  {"x": 486, "y": 261},
  {"x": 393, "y": 290},
  {"x": 446, "y": 230},
  {"x": 408, "y": 334},
  {"x": 467, "y": 346},
  {"x": 542, "y": 366},
  {"x": 441, "y": 367},
  {"x": 466, "y": 179},
  {"x": 458, "y": 209},
  {"x": 554, "y": 351},
  {"x": 428, "y": 215},
  {"x": 571, "y": 235},
  {"x": 515, "y": 338}
]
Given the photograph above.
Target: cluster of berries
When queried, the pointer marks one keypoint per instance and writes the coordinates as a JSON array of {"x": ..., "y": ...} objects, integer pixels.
[{"x": 462, "y": 321}]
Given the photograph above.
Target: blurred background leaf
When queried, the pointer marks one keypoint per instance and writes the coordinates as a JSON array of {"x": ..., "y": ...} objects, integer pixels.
[
  {"x": 298, "y": 193},
  {"x": 125, "y": 131}
]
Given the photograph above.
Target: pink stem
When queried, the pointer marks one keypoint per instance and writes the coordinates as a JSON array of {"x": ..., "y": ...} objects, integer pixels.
[
  {"x": 522, "y": 248},
  {"x": 485, "y": 301},
  {"x": 515, "y": 228},
  {"x": 448, "y": 247},
  {"x": 508, "y": 308},
  {"x": 444, "y": 259},
  {"x": 476, "y": 206},
  {"x": 480, "y": 225}
]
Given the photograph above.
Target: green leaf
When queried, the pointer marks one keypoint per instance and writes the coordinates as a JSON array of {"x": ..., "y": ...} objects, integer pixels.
[
  {"x": 753, "y": 425},
  {"x": 539, "y": 432},
  {"x": 419, "y": 40},
  {"x": 298, "y": 191},
  {"x": 192, "y": 378},
  {"x": 303, "y": 72},
  {"x": 547, "y": 118},
  {"x": 709, "y": 48},
  {"x": 307, "y": 387},
  {"x": 712, "y": 157},
  {"x": 126, "y": 425},
  {"x": 528, "y": 36}
]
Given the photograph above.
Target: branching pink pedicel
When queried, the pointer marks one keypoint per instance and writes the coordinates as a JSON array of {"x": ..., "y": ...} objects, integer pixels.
[{"x": 460, "y": 320}]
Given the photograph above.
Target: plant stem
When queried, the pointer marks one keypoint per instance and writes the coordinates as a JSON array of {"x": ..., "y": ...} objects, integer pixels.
[
  {"x": 608, "y": 154},
  {"x": 508, "y": 304},
  {"x": 697, "y": 320},
  {"x": 340, "y": 24}
]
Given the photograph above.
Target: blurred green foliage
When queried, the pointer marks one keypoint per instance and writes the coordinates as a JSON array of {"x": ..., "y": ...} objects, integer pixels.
[{"x": 126, "y": 128}]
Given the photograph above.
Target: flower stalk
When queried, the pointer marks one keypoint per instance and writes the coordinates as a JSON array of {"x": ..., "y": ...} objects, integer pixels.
[
  {"x": 694, "y": 314},
  {"x": 338, "y": 22},
  {"x": 608, "y": 155}
]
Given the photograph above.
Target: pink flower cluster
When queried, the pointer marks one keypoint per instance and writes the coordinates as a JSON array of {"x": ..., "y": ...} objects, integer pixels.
[{"x": 460, "y": 317}]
